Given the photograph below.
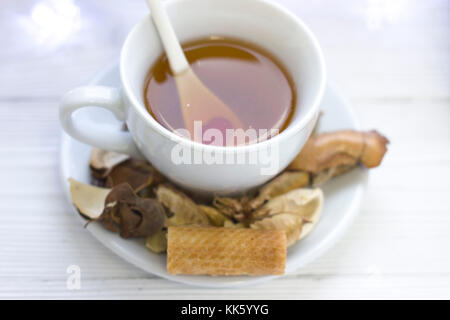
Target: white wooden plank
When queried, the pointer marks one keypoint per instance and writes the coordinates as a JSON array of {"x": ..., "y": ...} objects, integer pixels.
[{"x": 375, "y": 286}]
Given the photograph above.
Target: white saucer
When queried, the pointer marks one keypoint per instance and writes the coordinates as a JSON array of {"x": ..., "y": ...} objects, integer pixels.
[{"x": 342, "y": 197}]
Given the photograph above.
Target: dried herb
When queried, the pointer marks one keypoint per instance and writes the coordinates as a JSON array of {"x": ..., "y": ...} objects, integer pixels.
[
  {"x": 282, "y": 184},
  {"x": 340, "y": 148},
  {"x": 119, "y": 209},
  {"x": 139, "y": 203},
  {"x": 247, "y": 209},
  {"x": 215, "y": 216},
  {"x": 89, "y": 200},
  {"x": 138, "y": 174},
  {"x": 102, "y": 162},
  {"x": 291, "y": 224},
  {"x": 296, "y": 212},
  {"x": 131, "y": 215},
  {"x": 234, "y": 208},
  {"x": 327, "y": 174},
  {"x": 158, "y": 242},
  {"x": 182, "y": 209}
]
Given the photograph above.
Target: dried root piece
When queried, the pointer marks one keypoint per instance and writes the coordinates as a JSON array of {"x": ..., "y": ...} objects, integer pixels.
[
  {"x": 295, "y": 212},
  {"x": 102, "y": 162},
  {"x": 215, "y": 216},
  {"x": 325, "y": 175},
  {"x": 225, "y": 251},
  {"x": 158, "y": 242},
  {"x": 374, "y": 149},
  {"x": 184, "y": 211},
  {"x": 341, "y": 148}
]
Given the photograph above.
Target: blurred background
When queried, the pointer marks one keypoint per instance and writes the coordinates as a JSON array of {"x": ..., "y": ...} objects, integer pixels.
[{"x": 389, "y": 58}]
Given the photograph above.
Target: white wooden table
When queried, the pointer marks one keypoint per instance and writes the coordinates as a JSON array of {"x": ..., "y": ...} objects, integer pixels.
[{"x": 390, "y": 58}]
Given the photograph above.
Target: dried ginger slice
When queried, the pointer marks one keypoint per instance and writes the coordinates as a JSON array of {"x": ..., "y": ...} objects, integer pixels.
[{"x": 340, "y": 148}]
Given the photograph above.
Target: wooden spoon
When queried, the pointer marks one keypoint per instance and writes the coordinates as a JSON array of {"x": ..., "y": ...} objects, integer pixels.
[{"x": 198, "y": 103}]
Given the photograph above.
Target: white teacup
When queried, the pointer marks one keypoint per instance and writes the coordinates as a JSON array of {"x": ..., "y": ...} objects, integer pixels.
[{"x": 257, "y": 21}]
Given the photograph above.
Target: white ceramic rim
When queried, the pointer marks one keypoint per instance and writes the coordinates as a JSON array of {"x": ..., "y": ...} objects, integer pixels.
[{"x": 289, "y": 131}]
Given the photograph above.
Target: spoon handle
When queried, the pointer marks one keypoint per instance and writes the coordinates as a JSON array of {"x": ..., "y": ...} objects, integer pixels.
[{"x": 177, "y": 59}]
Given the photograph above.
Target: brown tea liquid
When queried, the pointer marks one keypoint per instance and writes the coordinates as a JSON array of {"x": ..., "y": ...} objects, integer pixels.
[{"x": 246, "y": 78}]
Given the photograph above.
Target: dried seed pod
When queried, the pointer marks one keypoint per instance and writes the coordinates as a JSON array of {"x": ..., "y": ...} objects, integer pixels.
[
  {"x": 184, "y": 210},
  {"x": 119, "y": 209},
  {"x": 340, "y": 148},
  {"x": 131, "y": 215},
  {"x": 157, "y": 243},
  {"x": 102, "y": 162}
]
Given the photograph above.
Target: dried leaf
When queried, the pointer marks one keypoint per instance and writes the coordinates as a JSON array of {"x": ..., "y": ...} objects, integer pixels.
[
  {"x": 282, "y": 184},
  {"x": 234, "y": 208},
  {"x": 138, "y": 174},
  {"x": 215, "y": 216},
  {"x": 304, "y": 204},
  {"x": 102, "y": 162},
  {"x": 158, "y": 242},
  {"x": 185, "y": 211},
  {"x": 89, "y": 200},
  {"x": 290, "y": 223}
]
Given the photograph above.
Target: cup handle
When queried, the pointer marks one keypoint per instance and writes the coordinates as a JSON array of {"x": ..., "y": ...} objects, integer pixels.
[{"x": 88, "y": 131}]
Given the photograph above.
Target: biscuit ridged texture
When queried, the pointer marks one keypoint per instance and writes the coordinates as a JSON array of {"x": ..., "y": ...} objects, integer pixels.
[{"x": 225, "y": 251}]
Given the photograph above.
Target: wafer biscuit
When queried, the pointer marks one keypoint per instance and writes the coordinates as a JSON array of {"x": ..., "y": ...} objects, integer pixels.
[{"x": 225, "y": 251}]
